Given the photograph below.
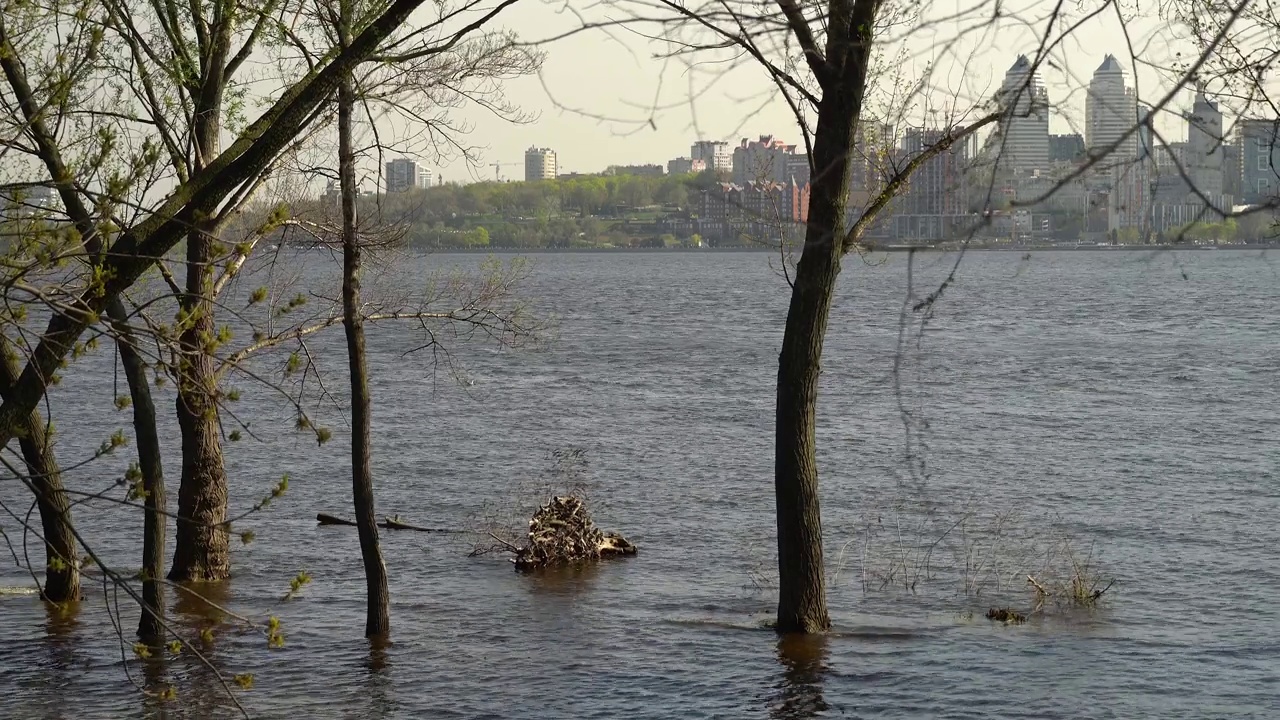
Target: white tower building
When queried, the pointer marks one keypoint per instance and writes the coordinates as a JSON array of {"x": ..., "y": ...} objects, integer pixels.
[
  {"x": 539, "y": 164},
  {"x": 1024, "y": 128},
  {"x": 1111, "y": 110}
]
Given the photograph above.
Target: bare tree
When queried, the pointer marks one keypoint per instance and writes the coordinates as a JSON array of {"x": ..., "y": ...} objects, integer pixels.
[
  {"x": 827, "y": 62},
  {"x": 377, "y": 618}
]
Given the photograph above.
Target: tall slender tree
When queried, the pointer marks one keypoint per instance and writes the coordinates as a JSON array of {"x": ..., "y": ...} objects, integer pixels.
[{"x": 377, "y": 617}]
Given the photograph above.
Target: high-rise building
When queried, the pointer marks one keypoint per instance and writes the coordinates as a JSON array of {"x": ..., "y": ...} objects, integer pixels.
[
  {"x": 1204, "y": 153},
  {"x": 1171, "y": 156},
  {"x": 404, "y": 174},
  {"x": 425, "y": 177},
  {"x": 933, "y": 205},
  {"x": 1024, "y": 123},
  {"x": 1231, "y": 170},
  {"x": 539, "y": 164},
  {"x": 1066, "y": 148},
  {"x": 1111, "y": 110},
  {"x": 1259, "y": 160},
  {"x": 763, "y": 202},
  {"x": 769, "y": 160},
  {"x": 870, "y": 164},
  {"x": 715, "y": 155}
]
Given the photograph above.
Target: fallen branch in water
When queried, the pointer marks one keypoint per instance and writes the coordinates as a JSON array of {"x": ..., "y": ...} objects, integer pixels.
[
  {"x": 504, "y": 543},
  {"x": 395, "y": 523},
  {"x": 1039, "y": 588},
  {"x": 388, "y": 523},
  {"x": 325, "y": 519},
  {"x": 1098, "y": 593}
]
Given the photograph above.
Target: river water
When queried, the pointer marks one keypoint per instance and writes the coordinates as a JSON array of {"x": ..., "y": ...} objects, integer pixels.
[{"x": 1123, "y": 403}]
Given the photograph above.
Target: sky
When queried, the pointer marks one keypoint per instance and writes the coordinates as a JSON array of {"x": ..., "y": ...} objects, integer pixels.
[{"x": 608, "y": 98}]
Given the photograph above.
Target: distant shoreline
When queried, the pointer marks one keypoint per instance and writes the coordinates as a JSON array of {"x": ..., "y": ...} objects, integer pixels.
[{"x": 884, "y": 248}]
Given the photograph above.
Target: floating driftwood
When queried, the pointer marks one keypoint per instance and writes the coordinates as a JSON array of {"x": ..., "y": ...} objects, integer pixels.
[
  {"x": 561, "y": 532},
  {"x": 389, "y": 523}
]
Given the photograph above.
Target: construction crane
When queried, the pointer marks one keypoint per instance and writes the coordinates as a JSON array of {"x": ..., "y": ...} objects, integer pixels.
[{"x": 497, "y": 170}]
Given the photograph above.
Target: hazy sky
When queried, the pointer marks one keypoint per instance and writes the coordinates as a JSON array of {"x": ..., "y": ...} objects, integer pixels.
[{"x": 619, "y": 76}]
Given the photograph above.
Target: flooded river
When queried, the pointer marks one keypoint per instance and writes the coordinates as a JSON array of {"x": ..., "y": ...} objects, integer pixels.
[{"x": 1127, "y": 404}]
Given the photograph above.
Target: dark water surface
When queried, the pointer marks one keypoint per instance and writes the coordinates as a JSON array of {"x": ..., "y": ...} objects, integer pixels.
[{"x": 1129, "y": 400}]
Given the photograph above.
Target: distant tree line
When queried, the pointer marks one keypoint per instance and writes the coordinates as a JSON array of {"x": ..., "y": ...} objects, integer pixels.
[{"x": 565, "y": 212}]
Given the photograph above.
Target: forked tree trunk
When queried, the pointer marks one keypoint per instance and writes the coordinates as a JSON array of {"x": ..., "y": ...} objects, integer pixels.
[
  {"x": 802, "y": 599},
  {"x": 151, "y": 623},
  {"x": 62, "y": 563},
  {"x": 201, "y": 547},
  {"x": 377, "y": 618}
]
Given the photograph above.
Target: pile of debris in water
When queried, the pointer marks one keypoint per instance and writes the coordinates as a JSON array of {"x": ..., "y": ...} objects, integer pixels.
[{"x": 561, "y": 532}]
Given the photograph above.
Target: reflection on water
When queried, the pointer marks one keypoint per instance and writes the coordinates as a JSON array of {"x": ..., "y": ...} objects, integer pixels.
[
  {"x": 155, "y": 681},
  {"x": 804, "y": 668},
  {"x": 377, "y": 681},
  {"x": 198, "y": 613},
  {"x": 565, "y": 581},
  {"x": 61, "y": 622},
  {"x": 377, "y": 660},
  {"x": 59, "y": 665},
  {"x": 198, "y": 605}
]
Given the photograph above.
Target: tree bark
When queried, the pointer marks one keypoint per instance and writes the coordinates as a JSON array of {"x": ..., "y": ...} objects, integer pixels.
[
  {"x": 802, "y": 598},
  {"x": 201, "y": 549},
  {"x": 62, "y": 562},
  {"x": 377, "y": 619},
  {"x": 151, "y": 623}
]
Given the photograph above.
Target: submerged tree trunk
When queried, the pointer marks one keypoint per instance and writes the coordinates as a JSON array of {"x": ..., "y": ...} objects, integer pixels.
[
  {"x": 377, "y": 619},
  {"x": 201, "y": 549},
  {"x": 62, "y": 563},
  {"x": 151, "y": 623},
  {"x": 802, "y": 600}
]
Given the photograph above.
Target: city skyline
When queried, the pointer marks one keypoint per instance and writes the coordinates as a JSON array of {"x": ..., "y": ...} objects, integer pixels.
[
  {"x": 597, "y": 113},
  {"x": 1175, "y": 127}
]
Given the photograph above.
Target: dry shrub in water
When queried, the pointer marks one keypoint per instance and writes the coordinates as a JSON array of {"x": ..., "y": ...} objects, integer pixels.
[
  {"x": 915, "y": 547},
  {"x": 1069, "y": 579},
  {"x": 503, "y": 524}
]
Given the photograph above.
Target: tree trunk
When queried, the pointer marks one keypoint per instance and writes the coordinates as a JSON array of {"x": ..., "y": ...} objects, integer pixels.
[
  {"x": 377, "y": 619},
  {"x": 151, "y": 624},
  {"x": 62, "y": 563},
  {"x": 201, "y": 548},
  {"x": 802, "y": 599}
]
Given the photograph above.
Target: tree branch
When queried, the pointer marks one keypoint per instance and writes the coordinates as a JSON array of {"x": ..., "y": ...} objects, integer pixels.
[
  {"x": 853, "y": 238},
  {"x": 804, "y": 35}
]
